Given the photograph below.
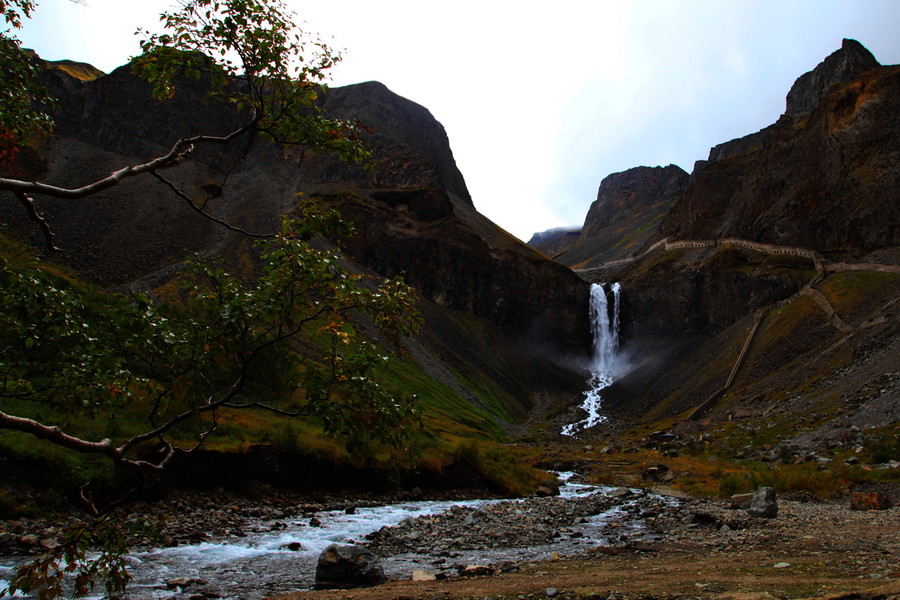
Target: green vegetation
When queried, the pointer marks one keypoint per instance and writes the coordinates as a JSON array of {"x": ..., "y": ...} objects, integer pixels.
[
  {"x": 23, "y": 102},
  {"x": 108, "y": 383},
  {"x": 81, "y": 71},
  {"x": 504, "y": 466},
  {"x": 854, "y": 294}
]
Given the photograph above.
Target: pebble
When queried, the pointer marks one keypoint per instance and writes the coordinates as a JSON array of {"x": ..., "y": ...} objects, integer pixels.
[{"x": 525, "y": 523}]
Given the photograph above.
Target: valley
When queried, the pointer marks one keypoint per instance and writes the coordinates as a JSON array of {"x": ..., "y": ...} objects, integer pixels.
[{"x": 747, "y": 336}]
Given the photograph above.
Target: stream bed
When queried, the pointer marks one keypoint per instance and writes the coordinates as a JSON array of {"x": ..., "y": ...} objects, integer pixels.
[{"x": 271, "y": 557}]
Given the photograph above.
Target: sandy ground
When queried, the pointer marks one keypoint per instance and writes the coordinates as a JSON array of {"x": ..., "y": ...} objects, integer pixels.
[{"x": 811, "y": 550}]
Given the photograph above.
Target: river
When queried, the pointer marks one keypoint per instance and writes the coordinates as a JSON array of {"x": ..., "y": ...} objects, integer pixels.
[{"x": 263, "y": 563}]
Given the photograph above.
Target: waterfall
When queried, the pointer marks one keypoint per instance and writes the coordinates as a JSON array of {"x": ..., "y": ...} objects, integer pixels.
[{"x": 605, "y": 331}]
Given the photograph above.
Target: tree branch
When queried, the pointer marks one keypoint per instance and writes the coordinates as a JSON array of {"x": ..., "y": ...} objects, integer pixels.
[
  {"x": 57, "y": 436},
  {"x": 200, "y": 209},
  {"x": 37, "y": 217},
  {"x": 178, "y": 151},
  {"x": 300, "y": 412}
]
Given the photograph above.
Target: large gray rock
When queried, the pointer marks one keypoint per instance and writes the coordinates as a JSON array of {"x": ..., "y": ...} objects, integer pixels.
[
  {"x": 764, "y": 503},
  {"x": 341, "y": 567}
]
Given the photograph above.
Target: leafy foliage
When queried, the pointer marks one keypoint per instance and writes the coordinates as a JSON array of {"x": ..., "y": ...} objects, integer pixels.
[
  {"x": 304, "y": 337},
  {"x": 227, "y": 349},
  {"x": 232, "y": 346},
  {"x": 22, "y": 101},
  {"x": 256, "y": 60},
  {"x": 74, "y": 566}
]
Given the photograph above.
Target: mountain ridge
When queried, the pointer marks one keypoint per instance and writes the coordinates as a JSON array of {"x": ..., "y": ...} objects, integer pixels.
[
  {"x": 412, "y": 213},
  {"x": 765, "y": 298}
]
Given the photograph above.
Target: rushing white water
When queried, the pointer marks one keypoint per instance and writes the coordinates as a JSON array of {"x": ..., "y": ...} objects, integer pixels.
[
  {"x": 262, "y": 563},
  {"x": 605, "y": 330}
]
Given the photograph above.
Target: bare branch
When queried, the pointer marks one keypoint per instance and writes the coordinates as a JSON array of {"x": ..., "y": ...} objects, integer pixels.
[
  {"x": 37, "y": 217},
  {"x": 179, "y": 150},
  {"x": 91, "y": 507},
  {"x": 190, "y": 413},
  {"x": 300, "y": 412},
  {"x": 200, "y": 209},
  {"x": 57, "y": 436}
]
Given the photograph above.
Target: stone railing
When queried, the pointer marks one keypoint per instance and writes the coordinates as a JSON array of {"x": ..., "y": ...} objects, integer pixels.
[
  {"x": 808, "y": 290},
  {"x": 666, "y": 245}
]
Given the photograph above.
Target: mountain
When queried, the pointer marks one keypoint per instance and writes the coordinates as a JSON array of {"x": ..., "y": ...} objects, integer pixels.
[
  {"x": 553, "y": 242},
  {"x": 628, "y": 208},
  {"x": 505, "y": 327},
  {"x": 821, "y": 177},
  {"x": 762, "y": 312}
]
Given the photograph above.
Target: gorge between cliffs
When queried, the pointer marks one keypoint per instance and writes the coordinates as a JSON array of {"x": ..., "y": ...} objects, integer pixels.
[{"x": 593, "y": 409}]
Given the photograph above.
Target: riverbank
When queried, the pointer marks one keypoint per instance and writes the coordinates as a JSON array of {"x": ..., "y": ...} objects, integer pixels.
[
  {"x": 703, "y": 549},
  {"x": 620, "y": 542}
]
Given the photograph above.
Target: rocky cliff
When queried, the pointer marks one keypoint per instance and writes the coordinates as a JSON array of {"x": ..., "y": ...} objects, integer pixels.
[
  {"x": 792, "y": 342},
  {"x": 759, "y": 315},
  {"x": 413, "y": 215},
  {"x": 553, "y": 242},
  {"x": 824, "y": 176},
  {"x": 628, "y": 208}
]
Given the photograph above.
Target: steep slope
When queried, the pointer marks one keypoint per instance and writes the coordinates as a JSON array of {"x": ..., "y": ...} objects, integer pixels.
[
  {"x": 765, "y": 313},
  {"x": 628, "y": 209},
  {"x": 824, "y": 176},
  {"x": 554, "y": 242},
  {"x": 503, "y": 323}
]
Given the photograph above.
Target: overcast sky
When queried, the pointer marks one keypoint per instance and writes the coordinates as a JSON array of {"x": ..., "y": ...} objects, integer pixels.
[{"x": 541, "y": 100}]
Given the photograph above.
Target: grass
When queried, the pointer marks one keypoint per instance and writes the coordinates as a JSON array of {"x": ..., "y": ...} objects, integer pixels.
[
  {"x": 705, "y": 474},
  {"x": 854, "y": 294},
  {"x": 80, "y": 71},
  {"x": 453, "y": 430}
]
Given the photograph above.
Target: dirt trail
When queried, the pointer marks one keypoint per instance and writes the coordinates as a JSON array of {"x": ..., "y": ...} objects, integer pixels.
[{"x": 811, "y": 550}]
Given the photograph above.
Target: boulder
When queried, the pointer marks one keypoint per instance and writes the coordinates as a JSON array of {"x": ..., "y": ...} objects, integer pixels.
[
  {"x": 341, "y": 567},
  {"x": 548, "y": 487},
  {"x": 423, "y": 575},
  {"x": 764, "y": 503},
  {"x": 659, "y": 473},
  {"x": 476, "y": 571},
  {"x": 869, "y": 501},
  {"x": 741, "y": 500}
]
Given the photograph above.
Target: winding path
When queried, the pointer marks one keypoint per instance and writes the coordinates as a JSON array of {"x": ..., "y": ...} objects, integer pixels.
[{"x": 823, "y": 269}]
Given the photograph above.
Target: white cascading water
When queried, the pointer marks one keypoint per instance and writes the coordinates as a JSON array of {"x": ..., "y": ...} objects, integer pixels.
[
  {"x": 605, "y": 331},
  {"x": 262, "y": 564}
]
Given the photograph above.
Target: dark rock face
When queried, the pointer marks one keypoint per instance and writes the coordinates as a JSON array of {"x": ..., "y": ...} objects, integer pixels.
[
  {"x": 341, "y": 567},
  {"x": 674, "y": 302},
  {"x": 826, "y": 182},
  {"x": 554, "y": 241},
  {"x": 625, "y": 193},
  {"x": 807, "y": 93},
  {"x": 842, "y": 66},
  {"x": 732, "y": 147},
  {"x": 413, "y": 213},
  {"x": 628, "y": 209},
  {"x": 398, "y": 121}
]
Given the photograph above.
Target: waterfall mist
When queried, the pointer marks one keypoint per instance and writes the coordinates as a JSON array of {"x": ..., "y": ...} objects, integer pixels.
[{"x": 606, "y": 363}]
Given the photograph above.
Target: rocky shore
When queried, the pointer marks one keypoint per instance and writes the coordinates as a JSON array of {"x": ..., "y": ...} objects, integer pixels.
[
  {"x": 690, "y": 548},
  {"x": 610, "y": 525},
  {"x": 187, "y": 518},
  {"x": 526, "y": 523}
]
